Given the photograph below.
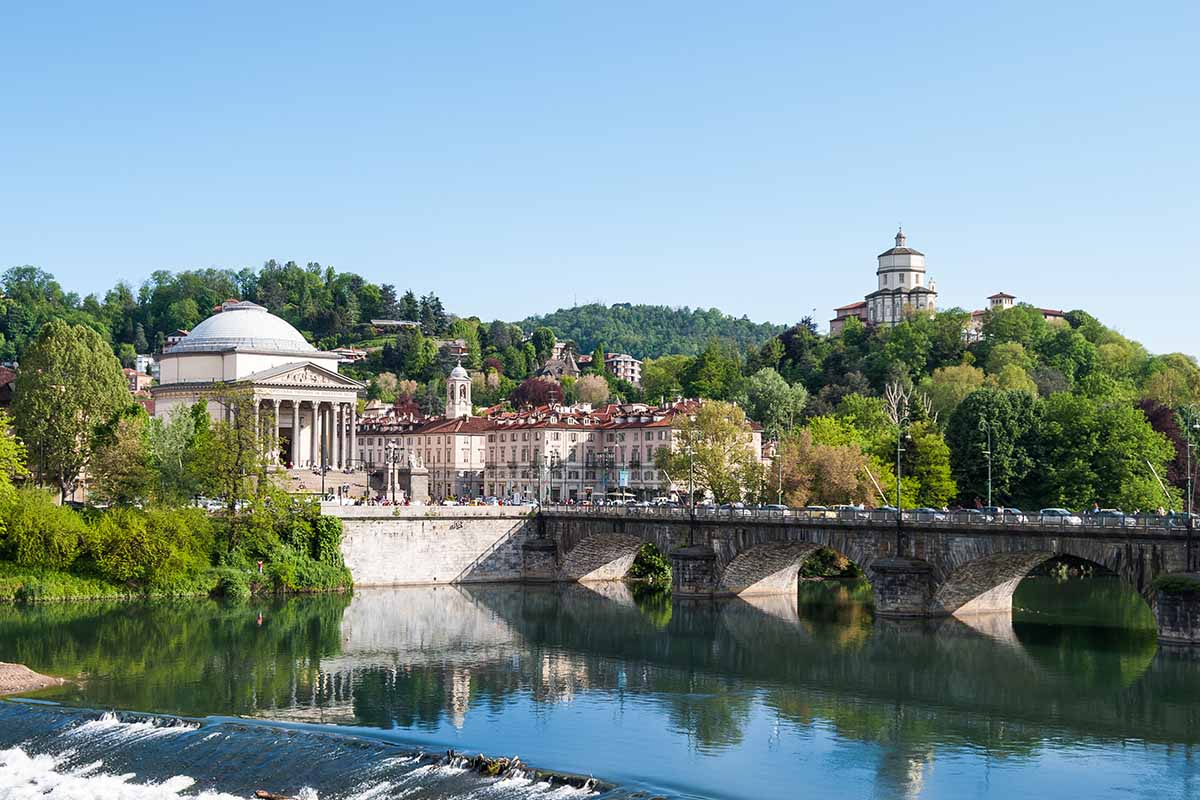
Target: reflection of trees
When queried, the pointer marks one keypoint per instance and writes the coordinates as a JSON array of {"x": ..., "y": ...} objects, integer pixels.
[{"x": 184, "y": 657}]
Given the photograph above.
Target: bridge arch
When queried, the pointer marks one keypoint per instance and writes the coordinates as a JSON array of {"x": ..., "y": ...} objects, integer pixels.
[
  {"x": 986, "y": 584},
  {"x": 600, "y": 557}
]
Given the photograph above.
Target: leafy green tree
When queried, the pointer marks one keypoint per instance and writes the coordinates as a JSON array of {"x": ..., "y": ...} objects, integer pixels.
[
  {"x": 929, "y": 465},
  {"x": 543, "y": 343},
  {"x": 172, "y": 452},
  {"x": 716, "y": 448},
  {"x": 232, "y": 453},
  {"x": 948, "y": 386},
  {"x": 69, "y": 383},
  {"x": 714, "y": 374},
  {"x": 1012, "y": 418},
  {"x": 773, "y": 402},
  {"x": 121, "y": 470},
  {"x": 1005, "y": 353},
  {"x": 662, "y": 378},
  {"x": 1013, "y": 378}
]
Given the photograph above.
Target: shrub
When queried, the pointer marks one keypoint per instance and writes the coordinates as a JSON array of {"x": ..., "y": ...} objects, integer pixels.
[
  {"x": 1176, "y": 584},
  {"x": 651, "y": 566},
  {"x": 38, "y": 533}
]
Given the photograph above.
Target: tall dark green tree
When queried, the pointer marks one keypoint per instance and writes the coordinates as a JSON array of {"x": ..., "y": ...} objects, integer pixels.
[{"x": 69, "y": 384}]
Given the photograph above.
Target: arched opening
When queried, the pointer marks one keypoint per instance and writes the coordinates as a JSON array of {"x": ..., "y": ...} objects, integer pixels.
[
  {"x": 1081, "y": 621},
  {"x": 602, "y": 557}
]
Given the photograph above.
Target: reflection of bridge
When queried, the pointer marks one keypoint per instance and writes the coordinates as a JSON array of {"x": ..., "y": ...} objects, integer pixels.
[{"x": 917, "y": 567}]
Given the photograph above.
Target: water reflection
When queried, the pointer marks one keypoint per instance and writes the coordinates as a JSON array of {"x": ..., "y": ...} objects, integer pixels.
[{"x": 681, "y": 695}]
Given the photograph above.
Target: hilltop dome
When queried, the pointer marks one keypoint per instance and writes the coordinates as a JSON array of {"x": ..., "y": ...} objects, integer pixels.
[
  {"x": 243, "y": 325},
  {"x": 459, "y": 373}
]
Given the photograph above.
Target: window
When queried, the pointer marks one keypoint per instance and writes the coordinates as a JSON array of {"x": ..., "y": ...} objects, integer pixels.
[
  {"x": 555, "y": 436},
  {"x": 573, "y": 436},
  {"x": 591, "y": 437},
  {"x": 525, "y": 436}
]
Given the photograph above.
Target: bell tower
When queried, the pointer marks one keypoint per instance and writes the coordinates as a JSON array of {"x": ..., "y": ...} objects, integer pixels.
[{"x": 458, "y": 393}]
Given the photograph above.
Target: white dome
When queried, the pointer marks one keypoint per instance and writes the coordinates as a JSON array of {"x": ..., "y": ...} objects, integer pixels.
[
  {"x": 243, "y": 326},
  {"x": 459, "y": 373}
]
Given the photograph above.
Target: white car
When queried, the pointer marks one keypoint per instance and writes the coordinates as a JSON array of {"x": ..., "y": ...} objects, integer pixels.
[{"x": 1058, "y": 516}]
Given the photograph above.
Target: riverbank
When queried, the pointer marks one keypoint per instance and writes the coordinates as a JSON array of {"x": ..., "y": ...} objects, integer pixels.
[{"x": 18, "y": 678}]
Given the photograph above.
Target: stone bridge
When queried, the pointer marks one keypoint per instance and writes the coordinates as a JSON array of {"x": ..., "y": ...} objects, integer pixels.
[{"x": 916, "y": 568}]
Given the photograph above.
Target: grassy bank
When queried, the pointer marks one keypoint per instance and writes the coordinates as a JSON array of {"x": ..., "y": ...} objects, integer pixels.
[{"x": 278, "y": 546}]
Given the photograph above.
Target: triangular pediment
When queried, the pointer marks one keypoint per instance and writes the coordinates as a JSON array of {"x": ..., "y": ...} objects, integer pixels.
[{"x": 303, "y": 373}]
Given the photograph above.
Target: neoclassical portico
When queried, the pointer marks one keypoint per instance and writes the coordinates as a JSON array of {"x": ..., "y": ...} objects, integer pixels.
[{"x": 300, "y": 396}]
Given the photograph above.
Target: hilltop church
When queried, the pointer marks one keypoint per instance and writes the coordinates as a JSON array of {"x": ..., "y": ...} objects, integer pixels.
[{"x": 902, "y": 287}]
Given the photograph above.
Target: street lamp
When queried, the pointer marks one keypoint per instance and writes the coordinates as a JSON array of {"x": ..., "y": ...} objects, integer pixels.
[
  {"x": 555, "y": 463},
  {"x": 392, "y": 455},
  {"x": 901, "y": 421},
  {"x": 985, "y": 425},
  {"x": 1190, "y": 424}
]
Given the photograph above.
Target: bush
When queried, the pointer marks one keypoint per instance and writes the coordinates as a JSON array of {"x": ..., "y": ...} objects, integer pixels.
[
  {"x": 39, "y": 533},
  {"x": 651, "y": 566},
  {"x": 1176, "y": 584}
]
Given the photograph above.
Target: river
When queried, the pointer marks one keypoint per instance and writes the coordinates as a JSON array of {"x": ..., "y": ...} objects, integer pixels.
[{"x": 807, "y": 696}]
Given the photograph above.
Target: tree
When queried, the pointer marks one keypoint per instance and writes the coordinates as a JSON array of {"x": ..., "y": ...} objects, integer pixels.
[
  {"x": 592, "y": 389},
  {"x": 929, "y": 465},
  {"x": 662, "y": 378},
  {"x": 773, "y": 402},
  {"x": 820, "y": 474},
  {"x": 232, "y": 453},
  {"x": 385, "y": 386},
  {"x": 949, "y": 386},
  {"x": 713, "y": 445},
  {"x": 121, "y": 470},
  {"x": 1012, "y": 419},
  {"x": 537, "y": 392},
  {"x": 714, "y": 374},
  {"x": 171, "y": 451},
  {"x": 1013, "y": 378},
  {"x": 598, "y": 365},
  {"x": 543, "y": 343},
  {"x": 69, "y": 383},
  {"x": 12, "y": 458}
]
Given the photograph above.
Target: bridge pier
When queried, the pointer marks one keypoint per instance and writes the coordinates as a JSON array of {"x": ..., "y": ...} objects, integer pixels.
[
  {"x": 903, "y": 587},
  {"x": 694, "y": 571},
  {"x": 539, "y": 561},
  {"x": 1177, "y": 610}
]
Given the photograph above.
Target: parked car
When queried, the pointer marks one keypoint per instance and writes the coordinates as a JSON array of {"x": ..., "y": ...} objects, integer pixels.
[
  {"x": 775, "y": 507},
  {"x": 1179, "y": 519},
  {"x": 1111, "y": 518},
  {"x": 968, "y": 515},
  {"x": 1004, "y": 514},
  {"x": 851, "y": 512},
  {"x": 821, "y": 512},
  {"x": 1058, "y": 516},
  {"x": 927, "y": 515}
]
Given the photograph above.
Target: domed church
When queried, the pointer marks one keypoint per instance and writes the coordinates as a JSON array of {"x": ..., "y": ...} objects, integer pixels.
[{"x": 296, "y": 387}]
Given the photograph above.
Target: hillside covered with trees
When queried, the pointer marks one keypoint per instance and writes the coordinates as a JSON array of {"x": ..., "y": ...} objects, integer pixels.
[{"x": 646, "y": 331}]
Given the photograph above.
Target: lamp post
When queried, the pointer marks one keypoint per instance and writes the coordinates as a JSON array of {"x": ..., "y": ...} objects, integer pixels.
[
  {"x": 901, "y": 422},
  {"x": 392, "y": 455},
  {"x": 555, "y": 461},
  {"x": 985, "y": 425}
]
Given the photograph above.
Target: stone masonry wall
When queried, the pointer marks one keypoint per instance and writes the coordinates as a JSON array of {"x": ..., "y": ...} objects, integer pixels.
[{"x": 433, "y": 545}]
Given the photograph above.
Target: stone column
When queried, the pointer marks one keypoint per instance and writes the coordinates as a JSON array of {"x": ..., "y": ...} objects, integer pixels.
[
  {"x": 313, "y": 448},
  {"x": 338, "y": 431},
  {"x": 295, "y": 449},
  {"x": 353, "y": 435},
  {"x": 275, "y": 428}
]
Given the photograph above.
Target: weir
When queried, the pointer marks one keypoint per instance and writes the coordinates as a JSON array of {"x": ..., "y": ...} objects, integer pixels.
[{"x": 916, "y": 568}]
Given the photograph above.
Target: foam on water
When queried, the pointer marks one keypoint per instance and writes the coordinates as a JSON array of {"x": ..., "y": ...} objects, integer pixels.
[{"x": 44, "y": 777}]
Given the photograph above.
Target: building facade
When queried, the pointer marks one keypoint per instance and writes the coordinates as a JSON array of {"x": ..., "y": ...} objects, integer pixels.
[
  {"x": 302, "y": 400},
  {"x": 623, "y": 366}
]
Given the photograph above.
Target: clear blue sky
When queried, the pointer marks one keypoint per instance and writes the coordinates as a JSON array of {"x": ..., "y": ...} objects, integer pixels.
[{"x": 519, "y": 157}]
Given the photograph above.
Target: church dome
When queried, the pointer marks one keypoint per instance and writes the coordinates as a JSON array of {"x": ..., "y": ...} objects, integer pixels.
[
  {"x": 241, "y": 325},
  {"x": 459, "y": 373}
]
